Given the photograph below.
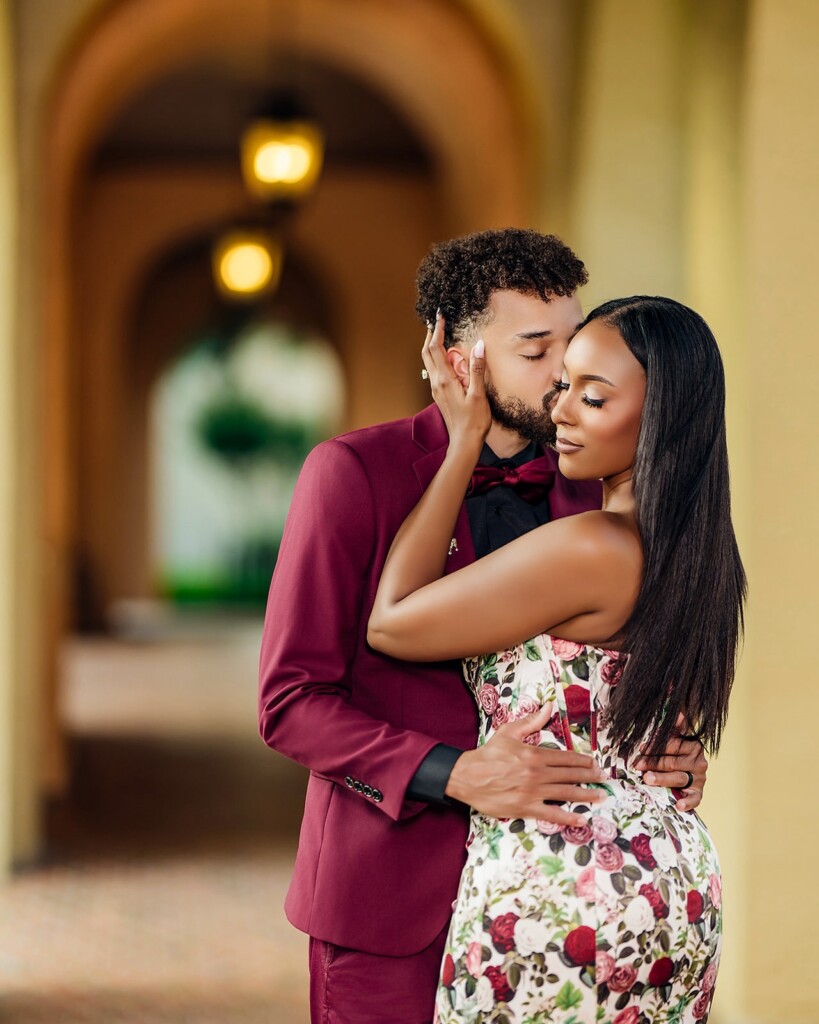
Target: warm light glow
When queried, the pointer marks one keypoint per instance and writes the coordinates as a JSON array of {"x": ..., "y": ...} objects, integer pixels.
[
  {"x": 246, "y": 267},
  {"x": 246, "y": 263},
  {"x": 286, "y": 162},
  {"x": 281, "y": 159}
]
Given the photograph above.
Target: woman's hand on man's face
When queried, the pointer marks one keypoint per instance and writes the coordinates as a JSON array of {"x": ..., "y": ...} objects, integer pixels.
[{"x": 464, "y": 406}]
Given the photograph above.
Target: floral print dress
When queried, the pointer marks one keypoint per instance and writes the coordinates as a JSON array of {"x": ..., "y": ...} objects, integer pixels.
[{"x": 617, "y": 921}]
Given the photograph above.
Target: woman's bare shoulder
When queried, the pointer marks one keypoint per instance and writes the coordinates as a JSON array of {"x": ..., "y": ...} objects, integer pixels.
[
  {"x": 596, "y": 535},
  {"x": 603, "y": 556}
]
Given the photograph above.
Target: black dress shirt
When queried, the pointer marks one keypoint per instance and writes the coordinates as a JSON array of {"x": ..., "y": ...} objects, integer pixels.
[{"x": 495, "y": 517}]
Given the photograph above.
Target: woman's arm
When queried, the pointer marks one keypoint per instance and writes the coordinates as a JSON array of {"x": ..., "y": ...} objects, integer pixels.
[
  {"x": 560, "y": 571},
  {"x": 419, "y": 552}
]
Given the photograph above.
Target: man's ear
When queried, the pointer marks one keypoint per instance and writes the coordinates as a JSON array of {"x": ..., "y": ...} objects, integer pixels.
[{"x": 458, "y": 359}]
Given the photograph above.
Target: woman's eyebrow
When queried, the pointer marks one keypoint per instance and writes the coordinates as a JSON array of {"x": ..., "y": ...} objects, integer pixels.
[{"x": 601, "y": 380}]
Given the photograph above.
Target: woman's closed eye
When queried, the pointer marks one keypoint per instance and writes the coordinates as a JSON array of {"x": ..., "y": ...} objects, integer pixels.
[
  {"x": 534, "y": 358},
  {"x": 593, "y": 403}
]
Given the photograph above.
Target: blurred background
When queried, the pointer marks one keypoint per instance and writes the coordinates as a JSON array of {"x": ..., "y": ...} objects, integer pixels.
[{"x": 212, "y": 212}]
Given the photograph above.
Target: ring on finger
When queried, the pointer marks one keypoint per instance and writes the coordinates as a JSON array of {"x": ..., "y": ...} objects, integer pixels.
[{"x": 690, "y": 781}]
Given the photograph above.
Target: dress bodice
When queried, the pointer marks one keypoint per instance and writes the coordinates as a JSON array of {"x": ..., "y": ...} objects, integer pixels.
[{"x": 576, "y": 679}]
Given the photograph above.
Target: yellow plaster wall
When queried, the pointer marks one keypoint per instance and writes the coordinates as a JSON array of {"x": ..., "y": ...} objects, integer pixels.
[
  {"x": 781, "y": 158},
  {"x": 627, "y": 175},
  {"x": 696, "y": 175},
  {"x": 713, "y": 252},
  {"x": 20, "y": 706},
  {"x": 538, "y": 41},
  {"x": 7, "y": 239}
]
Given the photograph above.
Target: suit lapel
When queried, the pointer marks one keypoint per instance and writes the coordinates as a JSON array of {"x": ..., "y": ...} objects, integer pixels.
[{"x": 430, "y": 433}]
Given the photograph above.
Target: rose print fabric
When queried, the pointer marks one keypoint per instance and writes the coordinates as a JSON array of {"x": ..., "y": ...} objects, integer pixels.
[{"x": 617, "y": 921}]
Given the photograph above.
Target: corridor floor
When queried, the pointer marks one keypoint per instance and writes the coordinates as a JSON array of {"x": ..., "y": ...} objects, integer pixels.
[{"x": 160, "y": 897}]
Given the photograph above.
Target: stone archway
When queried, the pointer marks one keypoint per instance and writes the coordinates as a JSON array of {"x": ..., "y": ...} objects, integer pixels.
[{"x": 462, "y": 104}]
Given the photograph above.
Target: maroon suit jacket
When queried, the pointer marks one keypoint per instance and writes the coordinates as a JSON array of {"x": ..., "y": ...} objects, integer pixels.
[{"x": 374, "y": 872}]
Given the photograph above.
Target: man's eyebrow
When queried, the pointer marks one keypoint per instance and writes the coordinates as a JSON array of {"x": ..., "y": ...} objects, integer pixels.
[
  {"x": 531, "y": 335},
  {"x": 601, "y": 380}
]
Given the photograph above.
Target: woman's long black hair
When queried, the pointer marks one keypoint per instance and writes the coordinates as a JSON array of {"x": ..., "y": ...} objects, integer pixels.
[{"x": 683, "y": 634}]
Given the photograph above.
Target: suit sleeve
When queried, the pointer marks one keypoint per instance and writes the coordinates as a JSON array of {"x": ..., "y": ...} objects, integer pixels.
[{"x": 313, "y": 627}]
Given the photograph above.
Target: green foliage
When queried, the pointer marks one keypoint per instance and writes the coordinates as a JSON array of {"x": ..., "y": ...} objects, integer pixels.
[
  {"x": 239, "y": 430},
  {"x": 532, "y": 651},
  {"x": 568, "y": 997},
  {"x": 551, "y": 865},
  {"x": 244, "y": 580}
]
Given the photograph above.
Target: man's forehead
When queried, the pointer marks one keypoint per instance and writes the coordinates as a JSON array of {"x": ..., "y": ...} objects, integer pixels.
[
  {"x": 523, "y": 316},
  {"x": 507, "y": 299}
]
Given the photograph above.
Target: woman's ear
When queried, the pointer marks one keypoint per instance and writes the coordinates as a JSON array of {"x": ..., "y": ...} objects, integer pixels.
[{"x": 458, "y": 359}]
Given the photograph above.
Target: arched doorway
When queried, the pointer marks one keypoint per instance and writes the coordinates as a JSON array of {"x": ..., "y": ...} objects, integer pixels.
[
  {"x": 176, "y": 309},
  {"x": 231, "y": 421}
]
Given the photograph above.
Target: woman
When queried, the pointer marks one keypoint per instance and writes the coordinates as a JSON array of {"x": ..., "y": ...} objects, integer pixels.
[{"x": 616, "y": 918}]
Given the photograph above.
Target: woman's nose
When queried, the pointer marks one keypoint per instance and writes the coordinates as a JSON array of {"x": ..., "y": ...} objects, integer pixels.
[{"x": 561, "y": 411}]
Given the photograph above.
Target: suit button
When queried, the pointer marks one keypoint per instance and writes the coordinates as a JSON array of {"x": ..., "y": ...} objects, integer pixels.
[
  {"x": 378, "y": 796},
  {"x": 357, "y": 786},
  {"x": 348, "y": 782},
  {"x": 368, "y": 791}
]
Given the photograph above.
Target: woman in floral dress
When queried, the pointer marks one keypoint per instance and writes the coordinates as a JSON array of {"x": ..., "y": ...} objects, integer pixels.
[{"x": 616, "y": 918}]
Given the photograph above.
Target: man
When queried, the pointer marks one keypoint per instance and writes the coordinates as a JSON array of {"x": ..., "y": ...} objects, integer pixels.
[{"x": 391, "y": 746}]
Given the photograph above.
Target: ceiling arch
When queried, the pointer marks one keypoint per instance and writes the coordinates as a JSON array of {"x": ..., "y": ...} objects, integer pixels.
[{"x": 428, "y": 59}]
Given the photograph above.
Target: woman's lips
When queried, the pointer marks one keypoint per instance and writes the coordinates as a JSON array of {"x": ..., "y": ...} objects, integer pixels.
[{"x": 567, "y": 447}]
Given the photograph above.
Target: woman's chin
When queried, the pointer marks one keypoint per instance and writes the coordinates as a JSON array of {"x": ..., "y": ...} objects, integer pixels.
[{"x": 570, "y": 469}]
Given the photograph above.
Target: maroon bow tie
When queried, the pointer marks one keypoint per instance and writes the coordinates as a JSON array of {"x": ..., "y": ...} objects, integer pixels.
[{"x": 532, "y": 480}]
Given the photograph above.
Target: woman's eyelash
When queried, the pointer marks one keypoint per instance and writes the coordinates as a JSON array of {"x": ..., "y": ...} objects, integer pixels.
[
  {"x": 535, "y": 358},
  {"x": 594, "y": 403}
]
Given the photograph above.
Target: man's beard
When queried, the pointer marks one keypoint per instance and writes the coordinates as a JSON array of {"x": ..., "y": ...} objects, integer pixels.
[{"x": 513, "y": 413}]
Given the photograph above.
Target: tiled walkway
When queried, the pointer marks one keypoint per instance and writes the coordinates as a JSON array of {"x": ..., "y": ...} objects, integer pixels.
[{"x": 160, "y": 901}]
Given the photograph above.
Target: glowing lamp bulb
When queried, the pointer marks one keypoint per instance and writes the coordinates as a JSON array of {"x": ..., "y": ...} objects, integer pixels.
[
  {"x": 246, "y": 264},
  {"x": 287, "y": 162},
  {"x": 281, "y": 159}
]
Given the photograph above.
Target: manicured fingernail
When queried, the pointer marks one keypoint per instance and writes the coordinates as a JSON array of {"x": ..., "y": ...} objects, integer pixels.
[
  {"x": 649, "y": 778},
  {"x": 438, "y": 313},
  {"x": 480, "y": 348}
]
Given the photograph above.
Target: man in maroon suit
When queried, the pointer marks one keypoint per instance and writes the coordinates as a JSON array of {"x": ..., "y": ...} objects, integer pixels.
[{"x": 391, "y": 745}]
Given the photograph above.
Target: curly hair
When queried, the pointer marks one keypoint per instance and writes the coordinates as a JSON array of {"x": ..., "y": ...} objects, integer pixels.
[{"x": 459, "y": 276}]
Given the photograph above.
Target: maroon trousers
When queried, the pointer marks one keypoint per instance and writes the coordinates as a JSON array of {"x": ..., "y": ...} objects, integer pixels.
[{"x": 349, "y": 987}]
